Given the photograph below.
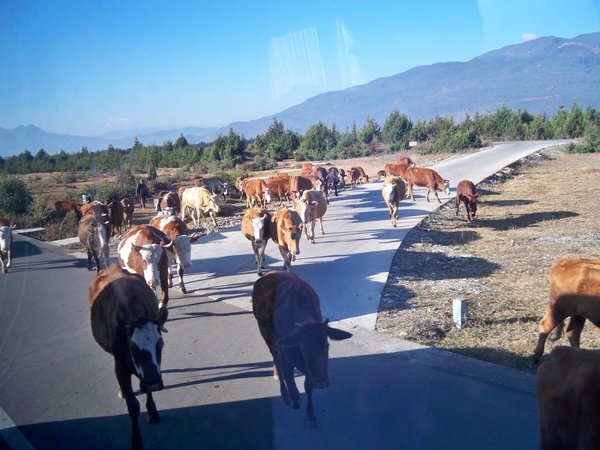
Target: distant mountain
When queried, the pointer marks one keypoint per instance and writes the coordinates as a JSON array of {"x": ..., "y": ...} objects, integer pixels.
[{"x": 538, "y": 76}]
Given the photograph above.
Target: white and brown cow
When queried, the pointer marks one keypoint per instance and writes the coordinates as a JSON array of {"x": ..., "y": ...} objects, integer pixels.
[
  {"x": 466, "y": 193},
  {"x": 574, "y": 293},
  {"x": 393, "y": 191},
  {"x": 178, "y": 232},
  {"x": 257, "y": 192},
  {"x": 93, "y": 237},
  {"x": 311, "y": 206},
  {"x": 143, "y": 250},
  {"x": 169, "y": 202},
  {"x": 255, "y": 226},
  {"x": 289, "y": 318},
  {"x": 6, "y": 255},
  {"x": 200, "y": 200},
  {"x": 425, "y": 177},
  {"x": 126, "y": 323},
  {"x": 286, "y": 231},
  {"x": 101, "y": 213}
]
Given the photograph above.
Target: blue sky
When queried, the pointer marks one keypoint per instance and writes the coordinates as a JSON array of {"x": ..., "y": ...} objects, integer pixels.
[{"x": 89, "y": 67}]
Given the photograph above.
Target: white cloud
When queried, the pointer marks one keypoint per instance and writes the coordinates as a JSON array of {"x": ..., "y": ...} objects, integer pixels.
[{"x": 529, "y": 36}]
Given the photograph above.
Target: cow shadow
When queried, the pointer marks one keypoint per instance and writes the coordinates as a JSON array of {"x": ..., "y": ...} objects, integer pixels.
[
  {"x": 524, "y": 220},
  {"x": 443, "y": 238},
  {"x": 502, "y": 203},
  {"x": 498, "y": 356}
]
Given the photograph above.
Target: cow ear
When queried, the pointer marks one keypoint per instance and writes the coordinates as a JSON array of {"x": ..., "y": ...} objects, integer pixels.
[
  {"x": 337, "y": 334},
  {"x": 136, "y": 247}
]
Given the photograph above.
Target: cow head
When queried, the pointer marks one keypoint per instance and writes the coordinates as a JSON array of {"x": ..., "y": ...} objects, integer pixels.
[
  {"x": 311, "y": 339},
  {"x": 258, "y": 227},
  {"x": 305, "y": 208},
  {"x": 472, "y": 202},
  {"x": 182, "y": 246},
  {"x": 293, "y": 233},
  {"x": 213, "y": 203},
  {"x": 150, "y": 255},
  {"x": 388, "y": 192},
  {"x": 145, "y": 347}
]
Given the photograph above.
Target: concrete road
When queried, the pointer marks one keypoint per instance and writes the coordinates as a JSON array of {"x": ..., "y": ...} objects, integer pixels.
[{"x": 58, "y": 391}]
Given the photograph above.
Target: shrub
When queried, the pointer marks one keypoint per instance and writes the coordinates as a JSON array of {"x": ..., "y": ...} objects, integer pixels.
[{"x": 14, "y": 196}]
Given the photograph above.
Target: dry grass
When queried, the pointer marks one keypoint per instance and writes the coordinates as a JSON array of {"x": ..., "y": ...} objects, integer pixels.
[{"x": 540, "y": 210}]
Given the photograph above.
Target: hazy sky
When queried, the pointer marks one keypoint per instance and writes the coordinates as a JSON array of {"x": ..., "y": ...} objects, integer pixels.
[{"x": 88, "y": 67}]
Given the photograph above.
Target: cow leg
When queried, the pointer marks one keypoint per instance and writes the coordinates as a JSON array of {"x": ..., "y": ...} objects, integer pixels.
[
  {"x": 394, "y": 215},
  {"x": 547, "y": 324},
  {"x": 286, "y": 375},
  {"x": 574, "y": 330},
  {"x": 89, "y": 256},
  {"x": 261, "y": 257},
  {"x": 257, "y": 257},
  {"x": 321, "y": 225},
  {"x": 287, "y": 265},
  {"x": 105, "y": 251},
  {"x": 311, "y": 420},
  {"x": 133, "y": 406},
  {"x": 409, "y": 187},
  {"x": 9, "y": 257},
  {"x": 153, "y": 416},
  {"x": 436, "y": 196},
  {"x": 4, "y": 267},
  {"x": 180, "y": 275}
]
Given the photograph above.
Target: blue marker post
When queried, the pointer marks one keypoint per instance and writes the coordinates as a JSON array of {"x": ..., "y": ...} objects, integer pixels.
[{"x": 459, "y": 312}]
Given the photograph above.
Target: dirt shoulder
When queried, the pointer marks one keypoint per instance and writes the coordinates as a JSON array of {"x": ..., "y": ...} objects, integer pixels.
[{"x": 539, "y": 210}]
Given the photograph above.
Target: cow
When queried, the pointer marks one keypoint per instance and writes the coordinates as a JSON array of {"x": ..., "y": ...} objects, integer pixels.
[
  {"x": 92, "y": 236},
  {"x": 101, "y": 213},
  {"x": 299, "y": 184},
  {"x": 424, "y": 177},
  {"x": 466, "y": 193},
  {"x": 128, "y": 208},
  {"x": 288, "y": 313},
  {"x": 116, "y": 215},
  {"x": 311, "y": 206},
  {"x": 200, "y": 200},
  {"x": 62, "y": 207},
  {"x": 6, "y": 244},
  {"x": 342, "y": 178},
  {"x": 406, "y": 160},
  {"x": 363, "y": 177},
  {"x": 354, "y": 176},
  {"x": 393, "y": 191},
  {"x": 574, "y": 293},
  {"x": 568, "y": 397},
  {"x": 217, "y": 186},
  {"x": 177, "y": 231},
  {"x": 322, "y": 181},
  {"x": 126, "y": 323},
  {"x": 143, "y": 250},
  {"x": 239, "y": 185},
  {"x": 396, "y": 170},
  {"x": 169, "y": 202},
  {"x": 255, "y": 227},
  {"x": 333, "y": 175},
  {"x": 280, "y": 187},
  {"x": 381, "y": 174},
  {"x": 256, "y": 190},
  {"x": 286, "y": 231}
]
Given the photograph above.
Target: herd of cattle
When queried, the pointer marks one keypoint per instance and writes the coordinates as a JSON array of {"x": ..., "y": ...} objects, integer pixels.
[{"x": 127, "y": 319}]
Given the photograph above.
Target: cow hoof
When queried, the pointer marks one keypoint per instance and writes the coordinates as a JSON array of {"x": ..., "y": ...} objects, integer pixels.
[
  {"x": 153, "y": 418},
  {"x": 296, "y": 404},
  {"x": 183, "y": 290},
  {"x": 120, "y": 393}
]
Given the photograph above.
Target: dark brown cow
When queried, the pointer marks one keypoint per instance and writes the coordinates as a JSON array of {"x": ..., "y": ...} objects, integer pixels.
[
  {"x": 168, "y": 202},
  {"x": 256, "y": 190},
  {"x": 280, "y": 187},
  {"x": 286, "y": 231},
  {"x": 299, "y": 184},
  {"x": 354, "y": 176},
  {"x": 424, "y": 177},
  {"x": 393, "y": 191},
  {"x": 256, "y": 227},
  {"x": 574, "y": 293},
  {"x": 289, "y": 318},
  {"x": 176, "y": 230},
  {"x": 128, "y": 208},
  {"x": 6, "y": 255},
  {"x": 568, "y": 396},
  {"x": 62, "y": 207},
  {"x": 126, "y": 323},
  {"x": 363, "y": 177},
  {"x": 216, "y": 185},
  {"x": 117, "y": 214},
  {"x": 143, "y": 250},
  {"x": 396, "y": 170},
  {"x": 466, "y": 193},
  {"x": 93, "y": 237},
  {"x": 334, "y": 177}
]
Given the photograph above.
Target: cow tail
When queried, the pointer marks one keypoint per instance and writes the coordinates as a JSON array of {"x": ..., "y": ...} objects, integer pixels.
[{"x": 558, "y": 333}]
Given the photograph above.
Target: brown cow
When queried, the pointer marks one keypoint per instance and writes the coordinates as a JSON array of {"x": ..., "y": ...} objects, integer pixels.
[
  {"x": 168, "y": 202},
  {"x": 286, "y": 231},
  {"x": 6, "y": 244},
  {"x": 289, "y": 318},
  {"x": 143, "y": 250},
  {"x": 466, "y": 192},
  {"x": 574, "y": 293},
  {"x": 406, "y": 160},
  {"x": 239, "y": 185},
  {"x": 424, "y": 177},
  {"x": 354, "y": 176},
  {"x": 62, "y": 207},
  {"x": 280, "y": 187},
  {"x": 93, "y": 237},
  {"x": 256, "y": 190},
  {"x": 128, "y": 208},
  {"x": 311, "y": 206},
  {"x": 255, "y": 226},
  {"x": 363, "y": 177},
  {"x": 568, "y": 396},
  {"x": 396, "y": 170},
  {"x": 116, "y": 215},
  {"x": 200, "y": 200},
  {"x": 393, "y": 191},
  {"x": 299, "y": 184},
  {"x": 126, "y": 323},
  {"x": 100, "y": 212},
  {"x": 177, "y": 231}
]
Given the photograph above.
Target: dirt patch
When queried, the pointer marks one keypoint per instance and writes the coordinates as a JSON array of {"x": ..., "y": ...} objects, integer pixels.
[{"x": 531, "y": 214}]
